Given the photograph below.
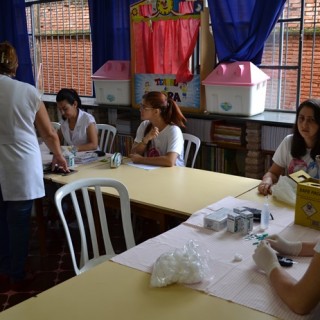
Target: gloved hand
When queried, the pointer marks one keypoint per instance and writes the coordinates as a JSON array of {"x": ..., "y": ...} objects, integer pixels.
[
  {"x": 283, "y": 246},
  {"x": 265, "y": 257}
]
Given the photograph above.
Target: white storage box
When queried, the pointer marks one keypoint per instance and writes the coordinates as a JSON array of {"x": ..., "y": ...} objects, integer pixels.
[
  {"x": 112, "y": 83},
  {"x": 237, "y": 88}
]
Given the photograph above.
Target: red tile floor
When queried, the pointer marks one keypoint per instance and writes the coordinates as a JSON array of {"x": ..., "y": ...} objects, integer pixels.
[
  {"x": 56, "y": 266},
  {"x": 48, "y": 270}
]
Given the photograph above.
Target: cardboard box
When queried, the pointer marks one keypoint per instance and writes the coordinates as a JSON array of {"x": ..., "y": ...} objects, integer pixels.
[
  {"x": 307, "y": 209},
  {"x": 112, "y": 83},
  {"x": 217, "y": 220},
  {"x": 237, "y": 88}
]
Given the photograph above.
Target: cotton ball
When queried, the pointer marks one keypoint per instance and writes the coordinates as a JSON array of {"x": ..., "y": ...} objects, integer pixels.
[{"x": 237, "y": 257}]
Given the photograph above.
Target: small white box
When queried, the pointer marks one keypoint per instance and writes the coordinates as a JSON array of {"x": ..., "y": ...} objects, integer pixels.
[
  {"x": 234, "y": 222},
  {"x": 112, "y": 83},
  {"x": 217, "y": 220},
  {"x": 237, "y": 88}
]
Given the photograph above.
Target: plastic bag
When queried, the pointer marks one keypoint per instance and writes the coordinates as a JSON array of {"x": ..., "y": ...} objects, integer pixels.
[
  {"x": 285, "y": 190},
  {"x": 184, "y": 265}
]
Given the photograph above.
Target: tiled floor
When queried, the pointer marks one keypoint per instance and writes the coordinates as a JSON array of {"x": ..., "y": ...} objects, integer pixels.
[
  {"x": 56, "y": 266},
  {"x": 48, "y": 270}
]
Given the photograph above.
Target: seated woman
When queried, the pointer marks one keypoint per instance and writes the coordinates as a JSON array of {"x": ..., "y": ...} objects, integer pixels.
[
  {"x": 302, "y": 295},
  {"x": 78, "y": 128},
  {"x": 297, "y": 151},
  {"x": 159, "y": 140}
]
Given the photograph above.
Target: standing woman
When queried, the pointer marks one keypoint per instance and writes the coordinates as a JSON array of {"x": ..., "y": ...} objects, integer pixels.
[
  {"x": 21, "y": 173},
  {"x": 78, "y": 128},
  {"x": 297, "y": 151},
  {"x": 159, "y": 140}
]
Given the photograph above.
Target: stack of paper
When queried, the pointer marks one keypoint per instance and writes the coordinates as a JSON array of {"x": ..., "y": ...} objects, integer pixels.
[{"x": 85, "y": 157}]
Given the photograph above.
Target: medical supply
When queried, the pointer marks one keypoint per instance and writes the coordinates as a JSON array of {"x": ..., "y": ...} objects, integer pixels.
[
  {"x": 233, "y": 221},
  {"x": 217, "y": 220},
  {"x": 265, "y": 216},
  {"x": 246, "y": 221}
]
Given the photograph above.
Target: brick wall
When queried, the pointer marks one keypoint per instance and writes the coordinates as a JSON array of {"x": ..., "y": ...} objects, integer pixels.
[{"x": 75, "y": 71}]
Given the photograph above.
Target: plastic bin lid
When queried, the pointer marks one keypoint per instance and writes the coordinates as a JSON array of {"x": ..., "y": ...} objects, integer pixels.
[
  {"x": 239, "y": 73},
  {"x": 113, "y": 70}
]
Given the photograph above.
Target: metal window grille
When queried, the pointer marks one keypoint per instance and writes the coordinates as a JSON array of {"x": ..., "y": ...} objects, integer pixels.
[
  {"x": 60, "y": 45},
  {"x": 60, "y": 42},
  {"x": 291, "y": 56}
]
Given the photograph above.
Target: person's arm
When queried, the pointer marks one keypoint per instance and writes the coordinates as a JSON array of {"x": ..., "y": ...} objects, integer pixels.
[
  {"x": 300, "y": 296},
  {"x": 92, "y": 137},
  {"x": 291, "y": 248},
  {"x": 169, "y": 160},
  {"x": 140, "y": 147},
  {"x": 50, "y": 137},
  {"x": 270, "y": 178}
]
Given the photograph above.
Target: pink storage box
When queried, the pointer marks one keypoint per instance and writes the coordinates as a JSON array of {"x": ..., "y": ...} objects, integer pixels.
[
  {"x": 237, "y": 88},
  {"x": 112, "y": 83}
]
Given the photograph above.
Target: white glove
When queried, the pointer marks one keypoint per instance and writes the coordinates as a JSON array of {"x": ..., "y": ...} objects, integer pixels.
[
  {"x": 265, "y": 257},
  {"x": 283, "y": 246}
]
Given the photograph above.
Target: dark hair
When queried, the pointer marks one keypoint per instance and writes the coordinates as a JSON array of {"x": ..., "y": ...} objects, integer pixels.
[
  {"x": 299, "y": 147},
  {"x": 170, "y": 111},
  {"x": 70, "y": 95},
  {"x": 8, "y": 59}
]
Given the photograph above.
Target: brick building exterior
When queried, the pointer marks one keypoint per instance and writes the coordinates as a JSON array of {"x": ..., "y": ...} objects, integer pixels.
[{"x": 73, "y": 69}]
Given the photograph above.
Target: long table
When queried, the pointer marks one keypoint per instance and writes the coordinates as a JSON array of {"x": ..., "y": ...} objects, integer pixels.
[
  {"x": 112, "y": 291},
  {"x": 115, "y": 291},
  {"x": 163, "y": 192}
]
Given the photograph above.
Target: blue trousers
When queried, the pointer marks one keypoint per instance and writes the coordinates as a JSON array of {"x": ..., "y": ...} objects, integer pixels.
[{"x": 14, "y": 236}]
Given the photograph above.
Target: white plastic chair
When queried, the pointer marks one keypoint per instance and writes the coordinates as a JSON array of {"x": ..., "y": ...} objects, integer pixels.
[
  {"x": 106, "y": 134},
  {"x": 88, "y": 220},
  {"x": 189, "y": 140},
  {"x": 56, "y": 125}
]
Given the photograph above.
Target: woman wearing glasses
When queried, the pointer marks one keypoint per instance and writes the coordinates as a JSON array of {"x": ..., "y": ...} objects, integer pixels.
[
  {"x": 159, "y": 140},
  {"x": 297, "y": 151}
]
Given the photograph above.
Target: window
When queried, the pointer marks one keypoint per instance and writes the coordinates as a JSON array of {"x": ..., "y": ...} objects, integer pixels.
[
  {"x": 60, "y": 43},
  {"x": 291, "y": 56},
  {"x": 61, "y": 50}
]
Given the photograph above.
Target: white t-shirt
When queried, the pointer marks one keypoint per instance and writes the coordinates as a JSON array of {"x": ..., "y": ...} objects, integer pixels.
[
  {"x": 170, "y": 139},
  {"x": 282, "y": 157},
  {"x": 77, "y": 136},
  {"x": 21, "y": 173}
]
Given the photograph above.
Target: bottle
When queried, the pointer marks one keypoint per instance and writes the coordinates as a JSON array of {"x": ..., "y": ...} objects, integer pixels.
[{"x": 265, "y": 216}]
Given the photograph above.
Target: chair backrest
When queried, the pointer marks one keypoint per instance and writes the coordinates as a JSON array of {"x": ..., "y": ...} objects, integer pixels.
[
  {"x": 106, "y": 134},
  {"x": 91, "y": 217},
  {"x": 189, "y": 140},
  {"x": 56, "y": 125}
]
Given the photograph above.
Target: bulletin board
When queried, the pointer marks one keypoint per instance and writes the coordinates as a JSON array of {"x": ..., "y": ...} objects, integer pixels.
[{"x": 165, "y": 35}]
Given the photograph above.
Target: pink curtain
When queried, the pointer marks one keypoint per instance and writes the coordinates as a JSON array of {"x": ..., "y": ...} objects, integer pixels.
[{"x": 165, "y": 46}]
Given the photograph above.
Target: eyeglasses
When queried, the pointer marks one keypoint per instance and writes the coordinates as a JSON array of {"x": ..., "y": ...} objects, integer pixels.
[{"x": 144, "y": 107}]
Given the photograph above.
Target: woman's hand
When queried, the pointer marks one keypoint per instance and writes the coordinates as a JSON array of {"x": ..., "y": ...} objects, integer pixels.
[
  {"x": 283, "y": 246},
  {"x": 153, "y": 133},
  {"x": 135, "y": 157},
  {"x": 265, "y": 188},
  {"x": 265, "y": 257}
]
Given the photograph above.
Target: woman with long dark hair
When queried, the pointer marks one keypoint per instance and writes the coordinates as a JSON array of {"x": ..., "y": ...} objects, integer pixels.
[
  {"x": 78, "y": 128},
  {"x": 297, "y": 151}
]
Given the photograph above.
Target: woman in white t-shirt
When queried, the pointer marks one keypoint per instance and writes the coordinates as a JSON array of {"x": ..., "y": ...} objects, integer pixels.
[
  {"x": 302, "y": 295},
  {"x": 297, "y": 151},
  {"x": 78, "y": 128},
  {"x": 159, "y": 140}
]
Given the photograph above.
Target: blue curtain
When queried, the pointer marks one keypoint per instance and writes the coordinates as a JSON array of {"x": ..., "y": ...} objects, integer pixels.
[
  {"x": 241, "y": 27},
  {"x": 110, "y": 30},
  {"x": 13, "y": 28}
]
